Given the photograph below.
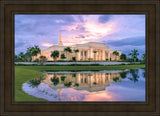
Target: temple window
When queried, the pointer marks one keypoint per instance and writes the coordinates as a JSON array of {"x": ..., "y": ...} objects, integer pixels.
[
  {"x": 107, "y": 54},
  {"x": 81, "y": 80},
  {"x": 85, "y": 53},
  {"x": 85, "y": 80},
  {"x": 81, "y": 53}
]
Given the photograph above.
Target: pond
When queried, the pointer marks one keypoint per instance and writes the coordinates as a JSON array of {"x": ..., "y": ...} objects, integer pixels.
[{"x": 114, "y": 85}]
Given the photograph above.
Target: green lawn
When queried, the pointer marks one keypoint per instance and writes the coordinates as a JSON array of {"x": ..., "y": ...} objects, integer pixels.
[{"x": 25, "y": 73}]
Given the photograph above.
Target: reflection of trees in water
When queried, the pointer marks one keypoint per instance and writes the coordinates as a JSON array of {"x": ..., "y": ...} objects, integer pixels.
[
  {"x": 135, "y": 75},
  {"x": 123, "y": 75},
  {"x": 76, "y": 85},
  {"x": 55, "y": 80},
  {"x": 116, "y": 79},
  {"x": 144, "y": 73},
  {"x": 67, "y": 84},
  {"x": 74, "y": 75},
  {"x": 63, "y": 78},
  {"x": 35, "y": 82}
]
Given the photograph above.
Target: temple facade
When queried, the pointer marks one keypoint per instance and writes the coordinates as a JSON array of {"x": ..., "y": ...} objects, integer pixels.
[{"x": 91, "y": 51}]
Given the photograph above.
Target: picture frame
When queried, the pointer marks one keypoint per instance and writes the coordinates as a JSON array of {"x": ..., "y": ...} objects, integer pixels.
[{"x": 149, "y": 7}]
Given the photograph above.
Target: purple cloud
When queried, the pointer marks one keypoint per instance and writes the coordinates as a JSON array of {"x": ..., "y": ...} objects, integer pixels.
[{"x": 116, "y": 30}]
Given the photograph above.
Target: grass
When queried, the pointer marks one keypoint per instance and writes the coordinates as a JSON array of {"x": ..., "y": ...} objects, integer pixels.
[
  {"x": 22, "y": 75},
  {"x": 25, "y": 73}
]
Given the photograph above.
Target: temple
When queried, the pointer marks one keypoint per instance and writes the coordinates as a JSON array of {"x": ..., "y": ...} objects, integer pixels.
[{"x": 91, "y": 51}]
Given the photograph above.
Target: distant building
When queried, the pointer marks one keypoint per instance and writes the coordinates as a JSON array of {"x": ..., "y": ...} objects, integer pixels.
[{"x": 93, "y": 51}]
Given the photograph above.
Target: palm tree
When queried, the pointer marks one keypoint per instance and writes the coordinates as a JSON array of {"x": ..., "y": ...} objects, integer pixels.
[
  {"x": 95, "y": 54},
  {"x": 34, "y": 50},
  {"x": 28, "y": 57},
  {"x": 68, "y": 50},
  {"x": 55, "y": 54},
  {"x": 76, "y": 51},
  {"x": 21, "y": 56},
  {"x": 123, "y": 57},
  {"x": 42, "y": 59},
  {"x": 63, "y": 56},
  {"x": 134, "y": 53},
  {"x": 16, "y": 58},
  {"x": 116, "y": 53}
]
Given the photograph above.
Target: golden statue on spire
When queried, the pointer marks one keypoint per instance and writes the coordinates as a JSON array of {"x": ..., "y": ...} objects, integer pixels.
[{"x": 60, "y": 40}]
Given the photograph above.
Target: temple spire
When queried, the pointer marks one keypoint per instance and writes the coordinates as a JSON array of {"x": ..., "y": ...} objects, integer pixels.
[{"x": 60, "y": 40}]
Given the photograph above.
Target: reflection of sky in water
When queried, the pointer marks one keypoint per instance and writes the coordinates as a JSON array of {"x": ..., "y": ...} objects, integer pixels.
[{"x": 129, "y": 87}]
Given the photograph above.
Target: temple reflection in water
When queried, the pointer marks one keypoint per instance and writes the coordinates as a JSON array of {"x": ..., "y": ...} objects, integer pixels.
[
  {"x": 104, "y": 85},
  {"x": 82, "y": 81}
]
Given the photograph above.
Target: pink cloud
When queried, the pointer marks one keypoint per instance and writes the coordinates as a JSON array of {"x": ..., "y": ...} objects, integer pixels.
[
  {"x": 46, "y": 44},
  {"x": 91, "y": 30}
]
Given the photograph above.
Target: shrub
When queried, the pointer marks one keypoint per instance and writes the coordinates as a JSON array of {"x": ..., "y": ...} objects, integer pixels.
[
  {"x": 110, "y": 59},
  {"x": 95, "y": 83},
  {"x": 36, "y": 60},
  {"x": 90, "y": 59}
]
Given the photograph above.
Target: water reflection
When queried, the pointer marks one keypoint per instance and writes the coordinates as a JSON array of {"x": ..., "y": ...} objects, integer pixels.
[
  {"x": 124, "y": 85},
  {"x": 35, "y": 82},
  {"x": 93, "y": 81}
]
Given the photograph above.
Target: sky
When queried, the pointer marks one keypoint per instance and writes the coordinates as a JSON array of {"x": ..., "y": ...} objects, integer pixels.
[{"x": 121, "y": 32}]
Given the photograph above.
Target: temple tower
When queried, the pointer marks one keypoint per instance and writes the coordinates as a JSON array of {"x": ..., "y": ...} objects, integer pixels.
[{"x": 60, "y": 43}]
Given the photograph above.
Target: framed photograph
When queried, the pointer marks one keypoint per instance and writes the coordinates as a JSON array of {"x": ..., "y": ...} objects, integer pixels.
[{"x": 80, "y": 58}]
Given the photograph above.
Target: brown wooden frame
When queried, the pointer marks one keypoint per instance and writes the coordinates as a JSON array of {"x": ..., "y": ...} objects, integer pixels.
[{"x": 148, "y": 7}]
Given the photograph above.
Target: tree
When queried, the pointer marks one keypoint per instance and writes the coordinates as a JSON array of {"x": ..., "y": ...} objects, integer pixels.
[
  {"x": 33, "y": 51},
  {"x": 28, "y": 57},
  {"x": 123, "y": 57},
  {"x": 63, "y": 56},
  {"x": 17, "y": 58},
  {"x": 21, "y": 56},
  {"x": 42, "y": 59},
  {"x": 95, "y": 54},
  {"x": 55, "y": 55},
  {"x": 143, "y": 58},
  {"x": 68, "y": 50},
  {"x": 76, "y": 51},
  {"x": 134, "y": 53},
  {"x": 116, "y": 53}
]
